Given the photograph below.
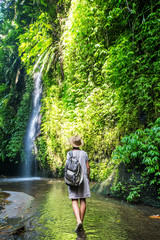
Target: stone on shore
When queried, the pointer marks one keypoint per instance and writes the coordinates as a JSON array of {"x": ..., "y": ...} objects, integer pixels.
[{"x": 18, "y": 203}]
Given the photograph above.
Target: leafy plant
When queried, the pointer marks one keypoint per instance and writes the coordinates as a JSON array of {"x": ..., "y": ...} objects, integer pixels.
[{"x": 140, "y": 150}]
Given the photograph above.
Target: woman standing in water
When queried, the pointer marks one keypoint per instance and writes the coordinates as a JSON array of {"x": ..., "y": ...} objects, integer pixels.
[{"x": 83, "y": 191}]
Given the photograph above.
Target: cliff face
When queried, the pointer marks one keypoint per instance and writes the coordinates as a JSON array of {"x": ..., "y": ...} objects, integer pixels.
[{"x": 100, "y": 71}]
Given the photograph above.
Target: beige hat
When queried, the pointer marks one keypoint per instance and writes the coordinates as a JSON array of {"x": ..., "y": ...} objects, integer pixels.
[{"x": 76, "y": 141}]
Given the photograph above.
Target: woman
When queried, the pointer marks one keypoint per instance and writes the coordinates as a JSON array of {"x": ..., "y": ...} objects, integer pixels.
[{"x": 83, "y": 191}]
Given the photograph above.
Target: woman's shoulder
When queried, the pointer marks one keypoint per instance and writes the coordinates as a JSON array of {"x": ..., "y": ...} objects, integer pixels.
[
  {"x": 77, "y": 152},
  {"x": 84, "y": 154}
]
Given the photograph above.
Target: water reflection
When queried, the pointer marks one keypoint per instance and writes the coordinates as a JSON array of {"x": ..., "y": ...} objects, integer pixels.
[
  {"x": 55, "y": 219},
  {"x": 105, "y": 219},
  {"x": 81, "y": 235}
]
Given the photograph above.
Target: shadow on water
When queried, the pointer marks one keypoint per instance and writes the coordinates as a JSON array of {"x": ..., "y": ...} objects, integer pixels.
[{"x": 105, "y": 218}]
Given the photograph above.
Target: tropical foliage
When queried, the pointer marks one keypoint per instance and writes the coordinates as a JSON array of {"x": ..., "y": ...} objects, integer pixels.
[
  {"x": 141, "y": 151},
  {"x": 100, "y": 64},
  {"x": 15, "y": 85}
]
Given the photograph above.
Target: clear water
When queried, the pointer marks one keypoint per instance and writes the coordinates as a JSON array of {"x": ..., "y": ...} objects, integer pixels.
[{"x": 106, "y": 219}]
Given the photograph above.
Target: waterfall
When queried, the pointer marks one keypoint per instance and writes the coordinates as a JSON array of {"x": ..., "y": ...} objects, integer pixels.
[{"x": 33, "y": 129}]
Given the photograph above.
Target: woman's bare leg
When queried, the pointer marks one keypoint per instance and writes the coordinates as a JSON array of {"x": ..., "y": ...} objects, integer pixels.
[
  {"x": 82, "y": 208},
  {"x": 76, "y": 210}
]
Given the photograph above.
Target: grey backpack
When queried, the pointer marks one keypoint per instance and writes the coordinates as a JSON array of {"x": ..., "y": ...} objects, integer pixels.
[{"x": 73, "y": 171}]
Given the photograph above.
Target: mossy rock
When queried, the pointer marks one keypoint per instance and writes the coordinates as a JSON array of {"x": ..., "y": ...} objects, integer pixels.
[{"x": 122, "y": 182}]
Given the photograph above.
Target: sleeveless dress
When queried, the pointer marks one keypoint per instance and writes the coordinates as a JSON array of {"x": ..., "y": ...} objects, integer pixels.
[{"x": 83, "y": 191}]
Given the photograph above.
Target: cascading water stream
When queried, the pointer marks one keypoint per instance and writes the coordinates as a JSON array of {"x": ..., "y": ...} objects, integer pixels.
[{"x": 33, "y": 129}]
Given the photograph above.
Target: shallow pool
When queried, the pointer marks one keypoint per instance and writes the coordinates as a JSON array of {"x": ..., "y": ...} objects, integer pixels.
[{"x": 51, "y": 215}]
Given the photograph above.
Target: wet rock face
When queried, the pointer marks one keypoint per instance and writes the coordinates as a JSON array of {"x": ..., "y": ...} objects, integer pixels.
[
  {"x": 10, "y": 169},
  {"x": 121, "y": 184}
]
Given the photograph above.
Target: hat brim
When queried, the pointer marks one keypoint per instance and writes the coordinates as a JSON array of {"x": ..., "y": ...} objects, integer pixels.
[{"x": 73, "y": 144}]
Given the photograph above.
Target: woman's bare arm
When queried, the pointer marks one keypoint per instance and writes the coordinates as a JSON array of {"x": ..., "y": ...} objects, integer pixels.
[{"x": 88, "y": 169}]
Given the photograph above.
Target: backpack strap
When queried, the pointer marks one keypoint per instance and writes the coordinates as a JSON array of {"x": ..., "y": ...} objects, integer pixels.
[
  {"x": 80, "y": 156},
  {"x": 71, "y": 153}
]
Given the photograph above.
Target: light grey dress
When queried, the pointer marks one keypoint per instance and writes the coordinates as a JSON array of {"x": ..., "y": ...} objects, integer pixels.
[{"x": 83, "y": 191}]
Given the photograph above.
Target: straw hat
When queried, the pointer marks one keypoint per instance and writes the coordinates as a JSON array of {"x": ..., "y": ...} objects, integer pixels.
[{"x": 76, "y": 141}]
